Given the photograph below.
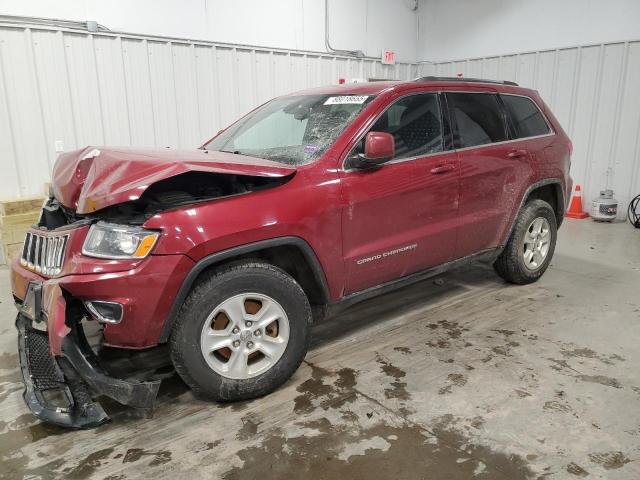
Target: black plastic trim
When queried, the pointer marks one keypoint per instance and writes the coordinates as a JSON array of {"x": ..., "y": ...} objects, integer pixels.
[
  {"x": 445, "y": 120},
  {"x": 488, "y": 255},
  {"x": 82, "y": 412},
  {"x": 560, "y": 203},
  {"x": 76, "y": 374},
  {"x": 218, "y": 257},
  {"x": 138, "y": 395}
]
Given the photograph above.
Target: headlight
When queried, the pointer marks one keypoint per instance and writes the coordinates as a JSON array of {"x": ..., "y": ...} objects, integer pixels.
[{"x": 108, "y": 240}]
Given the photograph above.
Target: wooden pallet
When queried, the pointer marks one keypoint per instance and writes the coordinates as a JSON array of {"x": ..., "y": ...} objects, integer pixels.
[{"x": 16, "y": 216}]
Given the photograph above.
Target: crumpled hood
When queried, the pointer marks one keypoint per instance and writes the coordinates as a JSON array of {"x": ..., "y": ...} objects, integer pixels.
[{"x": 93, "y": 178}]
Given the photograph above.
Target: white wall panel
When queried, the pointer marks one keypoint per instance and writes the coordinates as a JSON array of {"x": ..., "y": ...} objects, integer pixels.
[
  {"x": 84, "y": 89},
  {"x": 137, "y": 85},
  {"x": 369, "y": 25},
  {"x": 186, "y": 94},
  {"x": 24, "y": 111},
  {"x": 593, "y": 91},
  {"x": 113, "y": 92},
  {"x": 458, "y": 29},
  {"x": 54, "y": 89},
  {"x": 627, "y": 173}
]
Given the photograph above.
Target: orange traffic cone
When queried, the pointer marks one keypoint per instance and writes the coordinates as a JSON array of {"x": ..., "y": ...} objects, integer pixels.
[{"x": 575, "y": 209}]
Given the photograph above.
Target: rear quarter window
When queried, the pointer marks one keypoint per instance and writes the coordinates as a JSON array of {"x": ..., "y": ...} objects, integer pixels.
[{"x": 526, "y": 118}]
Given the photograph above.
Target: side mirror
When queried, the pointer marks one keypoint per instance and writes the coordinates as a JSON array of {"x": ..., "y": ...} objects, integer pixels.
[{"x": 379, "y": 147}]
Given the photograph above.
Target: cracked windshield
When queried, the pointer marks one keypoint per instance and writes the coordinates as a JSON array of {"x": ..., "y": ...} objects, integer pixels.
[{"x": 291, "y": 130}]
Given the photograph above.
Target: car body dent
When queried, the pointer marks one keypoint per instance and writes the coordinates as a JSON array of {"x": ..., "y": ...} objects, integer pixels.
[{"x": 94, "y": 178}]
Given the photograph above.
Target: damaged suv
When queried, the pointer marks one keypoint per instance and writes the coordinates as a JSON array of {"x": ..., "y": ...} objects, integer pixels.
[{"x": 311, "y": 202}]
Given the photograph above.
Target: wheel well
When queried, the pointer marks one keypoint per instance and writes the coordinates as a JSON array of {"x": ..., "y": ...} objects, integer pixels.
[
  {"x": 291, "y": 254},
  {"x": 552, "y": 194},
  {"x": 289, "y": 258}
]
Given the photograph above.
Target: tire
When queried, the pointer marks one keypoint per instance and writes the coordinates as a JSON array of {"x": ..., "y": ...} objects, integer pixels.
[
  {"x": 512, "y": 265},
  {"x": 226, "y": 288}
]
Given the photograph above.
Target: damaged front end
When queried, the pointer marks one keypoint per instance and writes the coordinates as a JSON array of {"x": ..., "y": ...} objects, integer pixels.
[
  {"x": 60, "y": 388},
  {"x": 185, "y": 189},
  {"x": 90, "y": 252}
]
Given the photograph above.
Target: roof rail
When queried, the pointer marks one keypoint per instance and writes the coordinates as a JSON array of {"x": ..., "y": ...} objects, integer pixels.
[{"x": 464, "y": 79}]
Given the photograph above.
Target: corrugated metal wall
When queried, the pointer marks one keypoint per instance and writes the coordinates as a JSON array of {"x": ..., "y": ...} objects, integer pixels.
[
  {"x": 104, "y": 88},
  {"x": 594, "y": 92},
  {"x": 116, "y": 89}
]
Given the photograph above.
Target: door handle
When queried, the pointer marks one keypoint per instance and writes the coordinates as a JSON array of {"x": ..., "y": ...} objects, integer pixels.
[
  {"x": 517, "y": 154},
  {"x": 442, "y": 169}
]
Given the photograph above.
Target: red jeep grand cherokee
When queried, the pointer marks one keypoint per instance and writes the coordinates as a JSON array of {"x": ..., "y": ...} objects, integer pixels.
[{"x": 309, "y": 203}]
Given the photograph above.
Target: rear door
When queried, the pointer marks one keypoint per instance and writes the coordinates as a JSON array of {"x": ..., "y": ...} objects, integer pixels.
[
  {"x": 528, "y": 125},
  {"x": 492, "y": 169},
  {"x": 401, "y": 218}
]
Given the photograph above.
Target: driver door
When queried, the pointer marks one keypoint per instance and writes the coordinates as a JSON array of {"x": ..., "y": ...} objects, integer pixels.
[{"x": 402, "y": 217}]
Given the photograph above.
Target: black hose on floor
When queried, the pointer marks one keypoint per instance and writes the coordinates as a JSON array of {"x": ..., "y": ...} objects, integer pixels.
[{"x": 633, "y": 213}]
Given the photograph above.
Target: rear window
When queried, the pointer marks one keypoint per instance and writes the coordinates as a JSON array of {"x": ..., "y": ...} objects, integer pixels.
[
  {"x": 526, "y": 118},
  {"x": 478, "y": 119}
]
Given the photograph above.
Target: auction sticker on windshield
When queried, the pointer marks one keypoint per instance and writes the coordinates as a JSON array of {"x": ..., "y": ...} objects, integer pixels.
[{"x": 346, "y": 99}]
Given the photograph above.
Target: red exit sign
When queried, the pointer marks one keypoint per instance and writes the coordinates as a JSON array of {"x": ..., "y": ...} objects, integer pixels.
[{"x": 388, "y": 57}]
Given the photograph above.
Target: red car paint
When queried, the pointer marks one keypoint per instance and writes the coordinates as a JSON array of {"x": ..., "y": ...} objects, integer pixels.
[
  {"x": 92, "y": 178},
  {"x": 408, "y": 215}
]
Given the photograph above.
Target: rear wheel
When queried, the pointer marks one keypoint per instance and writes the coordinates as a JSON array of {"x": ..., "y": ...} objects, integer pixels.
[
  {"x": 531, "y": 244},
  {"x": 242, "y": 332}
]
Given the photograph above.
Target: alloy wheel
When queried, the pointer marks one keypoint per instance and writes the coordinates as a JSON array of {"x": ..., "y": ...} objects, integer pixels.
[
  {"x": 245, "y": 336},
  {"x": 537, "y": 240}
]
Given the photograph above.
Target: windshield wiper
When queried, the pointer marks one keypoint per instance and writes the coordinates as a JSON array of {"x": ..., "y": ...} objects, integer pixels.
[{"x": 234, "y": 152}]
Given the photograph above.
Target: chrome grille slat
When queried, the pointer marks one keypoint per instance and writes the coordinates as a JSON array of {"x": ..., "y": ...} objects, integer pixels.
[
  {"x": 49, "y": 257},
  {"x": 54, "y": 250},
  {"x": 30, "y": 252},
  {"x": 57, "y": 250},
  {"x": 63, "y": 246},
  {"x": 44, "y": 253},
  {"x": 38, "y": 253},
  {"x": 25, "y": 249}
]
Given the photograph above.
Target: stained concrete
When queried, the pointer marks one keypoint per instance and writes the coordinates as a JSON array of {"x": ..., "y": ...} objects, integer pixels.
[{"x": 462, "y": 376}]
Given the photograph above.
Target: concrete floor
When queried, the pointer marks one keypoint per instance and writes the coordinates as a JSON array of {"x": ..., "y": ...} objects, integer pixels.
[{"x": 461, "y": 376}]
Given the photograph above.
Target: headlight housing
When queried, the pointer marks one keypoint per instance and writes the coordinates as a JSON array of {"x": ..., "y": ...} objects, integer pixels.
[{"x": 110, "y": 240}]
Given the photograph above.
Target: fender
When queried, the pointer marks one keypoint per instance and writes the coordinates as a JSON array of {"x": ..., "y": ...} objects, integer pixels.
[
  {"x": 560, "y": 201},
  {"x": 218, "y": 257}
]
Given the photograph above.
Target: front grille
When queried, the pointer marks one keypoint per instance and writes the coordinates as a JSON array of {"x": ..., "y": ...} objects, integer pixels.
[{"x": 44, "y": 253}]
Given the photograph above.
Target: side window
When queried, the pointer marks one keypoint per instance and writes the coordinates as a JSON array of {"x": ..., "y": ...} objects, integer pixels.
[
  {"x": 477, "y": 118},
  {"x": 525, "y": 116},
  {"x": 414, "y": 122}
]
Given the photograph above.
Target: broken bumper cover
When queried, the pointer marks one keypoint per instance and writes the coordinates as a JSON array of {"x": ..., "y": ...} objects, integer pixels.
[
  {"x": 47, "y": 393},
  {"x": 60, "y": 389},
  {"x": 131, "y": 284}
]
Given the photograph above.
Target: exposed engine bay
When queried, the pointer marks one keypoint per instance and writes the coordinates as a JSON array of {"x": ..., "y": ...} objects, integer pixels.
[{"x": 184, "y": 189}]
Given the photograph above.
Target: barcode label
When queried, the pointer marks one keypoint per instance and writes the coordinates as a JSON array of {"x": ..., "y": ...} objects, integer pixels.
[{"x": 353, "y": 99}]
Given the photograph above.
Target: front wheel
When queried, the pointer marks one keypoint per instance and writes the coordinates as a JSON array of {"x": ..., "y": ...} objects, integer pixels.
[
  {"x": 242, "y": 332},
  {"x": 531, "y": 244}
]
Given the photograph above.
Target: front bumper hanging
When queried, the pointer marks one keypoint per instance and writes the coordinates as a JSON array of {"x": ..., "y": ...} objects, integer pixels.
[
  {"x": 60, "y": 389},
  {"x": 47, "y": 393}
]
